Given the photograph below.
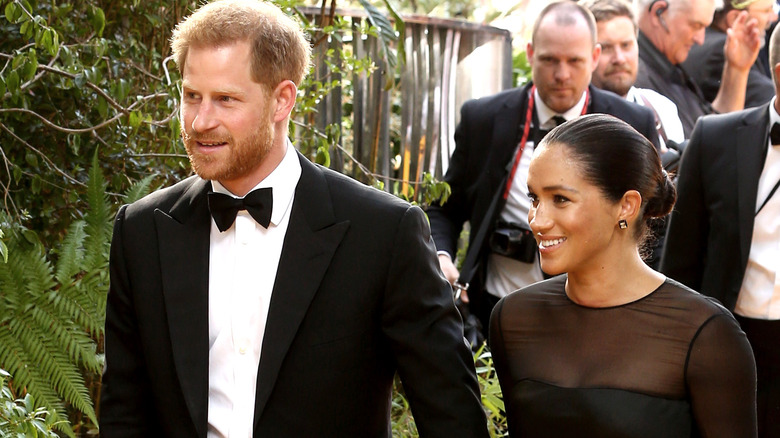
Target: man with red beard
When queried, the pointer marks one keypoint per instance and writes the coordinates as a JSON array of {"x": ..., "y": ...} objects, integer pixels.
[
  {"x": 617, "y": 67},
  {"x": 267, "y": 296}
]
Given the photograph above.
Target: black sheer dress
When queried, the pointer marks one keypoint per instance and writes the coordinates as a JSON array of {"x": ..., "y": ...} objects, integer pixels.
[{"x": 672, "y": 364}]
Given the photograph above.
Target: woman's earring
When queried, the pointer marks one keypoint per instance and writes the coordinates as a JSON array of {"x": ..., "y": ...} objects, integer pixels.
[{"x": 622, "y": 224}]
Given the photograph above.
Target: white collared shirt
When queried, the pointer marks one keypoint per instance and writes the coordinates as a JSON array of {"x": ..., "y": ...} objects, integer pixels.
[
  {"x": 664, "y": 107},
  {"x": 545, "y": 114},
  {"x": 759, "y": 296},
  {"x": 505, "y": 275},
  {"x": 243, "y": 262}
]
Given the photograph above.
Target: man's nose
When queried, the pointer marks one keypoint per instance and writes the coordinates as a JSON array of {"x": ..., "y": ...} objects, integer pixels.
[{"x": 205, "y": 119}]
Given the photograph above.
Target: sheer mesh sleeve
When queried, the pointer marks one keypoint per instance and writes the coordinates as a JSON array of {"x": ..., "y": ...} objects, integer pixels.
[{"x": 721, "y": 380}]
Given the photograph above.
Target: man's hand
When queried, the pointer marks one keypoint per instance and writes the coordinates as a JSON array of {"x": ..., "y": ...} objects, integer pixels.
[
  {"x": 743, "y": 42},
  {"x": 451, "y": 273},
  {"x": 741, "y": 50}
]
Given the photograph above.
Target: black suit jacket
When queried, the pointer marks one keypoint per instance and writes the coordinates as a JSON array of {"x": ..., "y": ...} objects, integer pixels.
[
  {"x": 358, "y": 295},
  {"x": 486, "y": 139},
  {"x": 705, "y": 66},
  {"x": 711, "y": 226}
]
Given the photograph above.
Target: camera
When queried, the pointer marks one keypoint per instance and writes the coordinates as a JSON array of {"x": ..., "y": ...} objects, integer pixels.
[{"x": 514, "y": 241}]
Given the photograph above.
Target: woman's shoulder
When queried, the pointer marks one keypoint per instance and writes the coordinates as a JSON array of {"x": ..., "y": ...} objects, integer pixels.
[
  {"x": 677, "y": 290},
  {"x": 545, "y": 291},
  {"x": 696, "y": 306}
]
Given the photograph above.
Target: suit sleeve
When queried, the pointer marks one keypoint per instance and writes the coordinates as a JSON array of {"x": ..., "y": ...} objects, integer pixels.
[
  {"x": 126, "y": 397},
  {"x": 425, "y": 332},
  {"x": 685, "y": 250},
  {"x": 447, "y": 220}
]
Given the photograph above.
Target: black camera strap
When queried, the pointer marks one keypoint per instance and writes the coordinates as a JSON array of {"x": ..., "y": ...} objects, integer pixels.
[
  {"x": 469, "y": 267},
  {"x": 470, "y": 262}
]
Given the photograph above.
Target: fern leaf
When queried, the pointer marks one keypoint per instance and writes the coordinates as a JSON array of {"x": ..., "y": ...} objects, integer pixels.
[
  {"x": 139, "y": 189},
  {"x": 71, "y": 253},
  {"x": 98, "y": 218}
]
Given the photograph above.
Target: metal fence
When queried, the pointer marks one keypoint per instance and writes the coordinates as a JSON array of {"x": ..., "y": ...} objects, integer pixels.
[{"x": 402, "y": 132}]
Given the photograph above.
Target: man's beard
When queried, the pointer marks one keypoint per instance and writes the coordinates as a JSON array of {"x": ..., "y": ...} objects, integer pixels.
[
  {"x": 619, "y": 87},
  {"x": 242, "y": 158}
]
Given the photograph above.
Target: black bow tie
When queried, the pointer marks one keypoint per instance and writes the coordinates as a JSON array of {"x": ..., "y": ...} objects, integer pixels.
[
  {"x": 224, "y": 207},
  {"x": 774, "y": 134}
]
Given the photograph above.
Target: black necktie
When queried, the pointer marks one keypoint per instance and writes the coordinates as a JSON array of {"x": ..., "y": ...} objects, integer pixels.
[
  {"x": 558, "y": 120},
  {"x": 224, "y": 207},
  {"x": 774, "y": 134}
]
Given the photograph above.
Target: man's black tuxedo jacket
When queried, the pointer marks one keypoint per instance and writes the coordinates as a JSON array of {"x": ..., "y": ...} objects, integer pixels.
[
  {"x": 486, "y": 139},
  {"x": 711, "y": 227},
  {"x": 358, "y": 295}
]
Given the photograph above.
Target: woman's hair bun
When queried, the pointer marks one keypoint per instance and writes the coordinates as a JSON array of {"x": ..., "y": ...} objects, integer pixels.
[{"x": 664, "y": 197}]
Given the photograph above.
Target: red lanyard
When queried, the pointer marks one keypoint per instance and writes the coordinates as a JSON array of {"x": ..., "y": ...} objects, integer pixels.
[{"x": 526, "y": 132}]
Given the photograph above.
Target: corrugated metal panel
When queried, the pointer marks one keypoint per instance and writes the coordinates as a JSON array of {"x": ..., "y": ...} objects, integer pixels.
[{"x": 447, "y": 63}]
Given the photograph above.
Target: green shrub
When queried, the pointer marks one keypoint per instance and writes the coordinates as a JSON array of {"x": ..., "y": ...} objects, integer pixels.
[
  {"x": 20, "y": 417},
  {"x": 403, "y": 425}
]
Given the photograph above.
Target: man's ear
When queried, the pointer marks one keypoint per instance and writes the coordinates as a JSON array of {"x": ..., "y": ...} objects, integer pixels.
[
  {"x": 596, "y": 55},
  {"x": 656, "y": 9},
  {"x": 529, "y": 54},
  {"x": 283, "y": 97},
  {"x": 776, "y": 80}
]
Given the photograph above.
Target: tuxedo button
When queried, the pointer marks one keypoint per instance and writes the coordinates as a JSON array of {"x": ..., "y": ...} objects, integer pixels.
[{"x": 242, "y": 350}]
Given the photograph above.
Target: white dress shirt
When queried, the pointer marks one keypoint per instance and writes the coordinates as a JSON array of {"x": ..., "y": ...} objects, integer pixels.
[
  {"x": 504, "y": 274},
  {"x": 665, "y": 108},
  {"x": 759, "y": 296},
  {"x": 242, "y": 269}
]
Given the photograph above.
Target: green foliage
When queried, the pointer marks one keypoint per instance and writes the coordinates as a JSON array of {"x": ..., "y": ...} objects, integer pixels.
[
  {"x": 403, "y": 425},
  {"x": 67, "y": 91},
  {"x": 341, "y": 64},
  {"x": 20, "y": 417},
  {"x": 388, "y": 34},
  {"x": 521, "y": 69},
  {"x": 425, "y": 192},
  {"x": 492, "y": 400},
  {"x": 53, "y": 306}
]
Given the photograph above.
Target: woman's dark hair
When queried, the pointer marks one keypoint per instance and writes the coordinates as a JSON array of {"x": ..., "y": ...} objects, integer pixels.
[{"x": 616, "y": 158}]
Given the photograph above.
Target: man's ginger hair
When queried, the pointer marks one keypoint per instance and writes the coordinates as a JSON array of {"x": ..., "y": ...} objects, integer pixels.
[{"x": 280, "y": 50}]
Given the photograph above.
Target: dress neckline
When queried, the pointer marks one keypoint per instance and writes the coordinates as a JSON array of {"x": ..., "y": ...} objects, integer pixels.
[{"x": 638, "y": 300}]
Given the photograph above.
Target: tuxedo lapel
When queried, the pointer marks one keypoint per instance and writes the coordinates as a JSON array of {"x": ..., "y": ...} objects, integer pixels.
[
  {"x": 183, "y": 236},
  {"x": 311, "y": 240},
  {"x": 750, "y": 152}
]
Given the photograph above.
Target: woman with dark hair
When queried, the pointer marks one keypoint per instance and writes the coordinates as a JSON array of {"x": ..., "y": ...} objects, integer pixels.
[{"x": 609, "y": 347}]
